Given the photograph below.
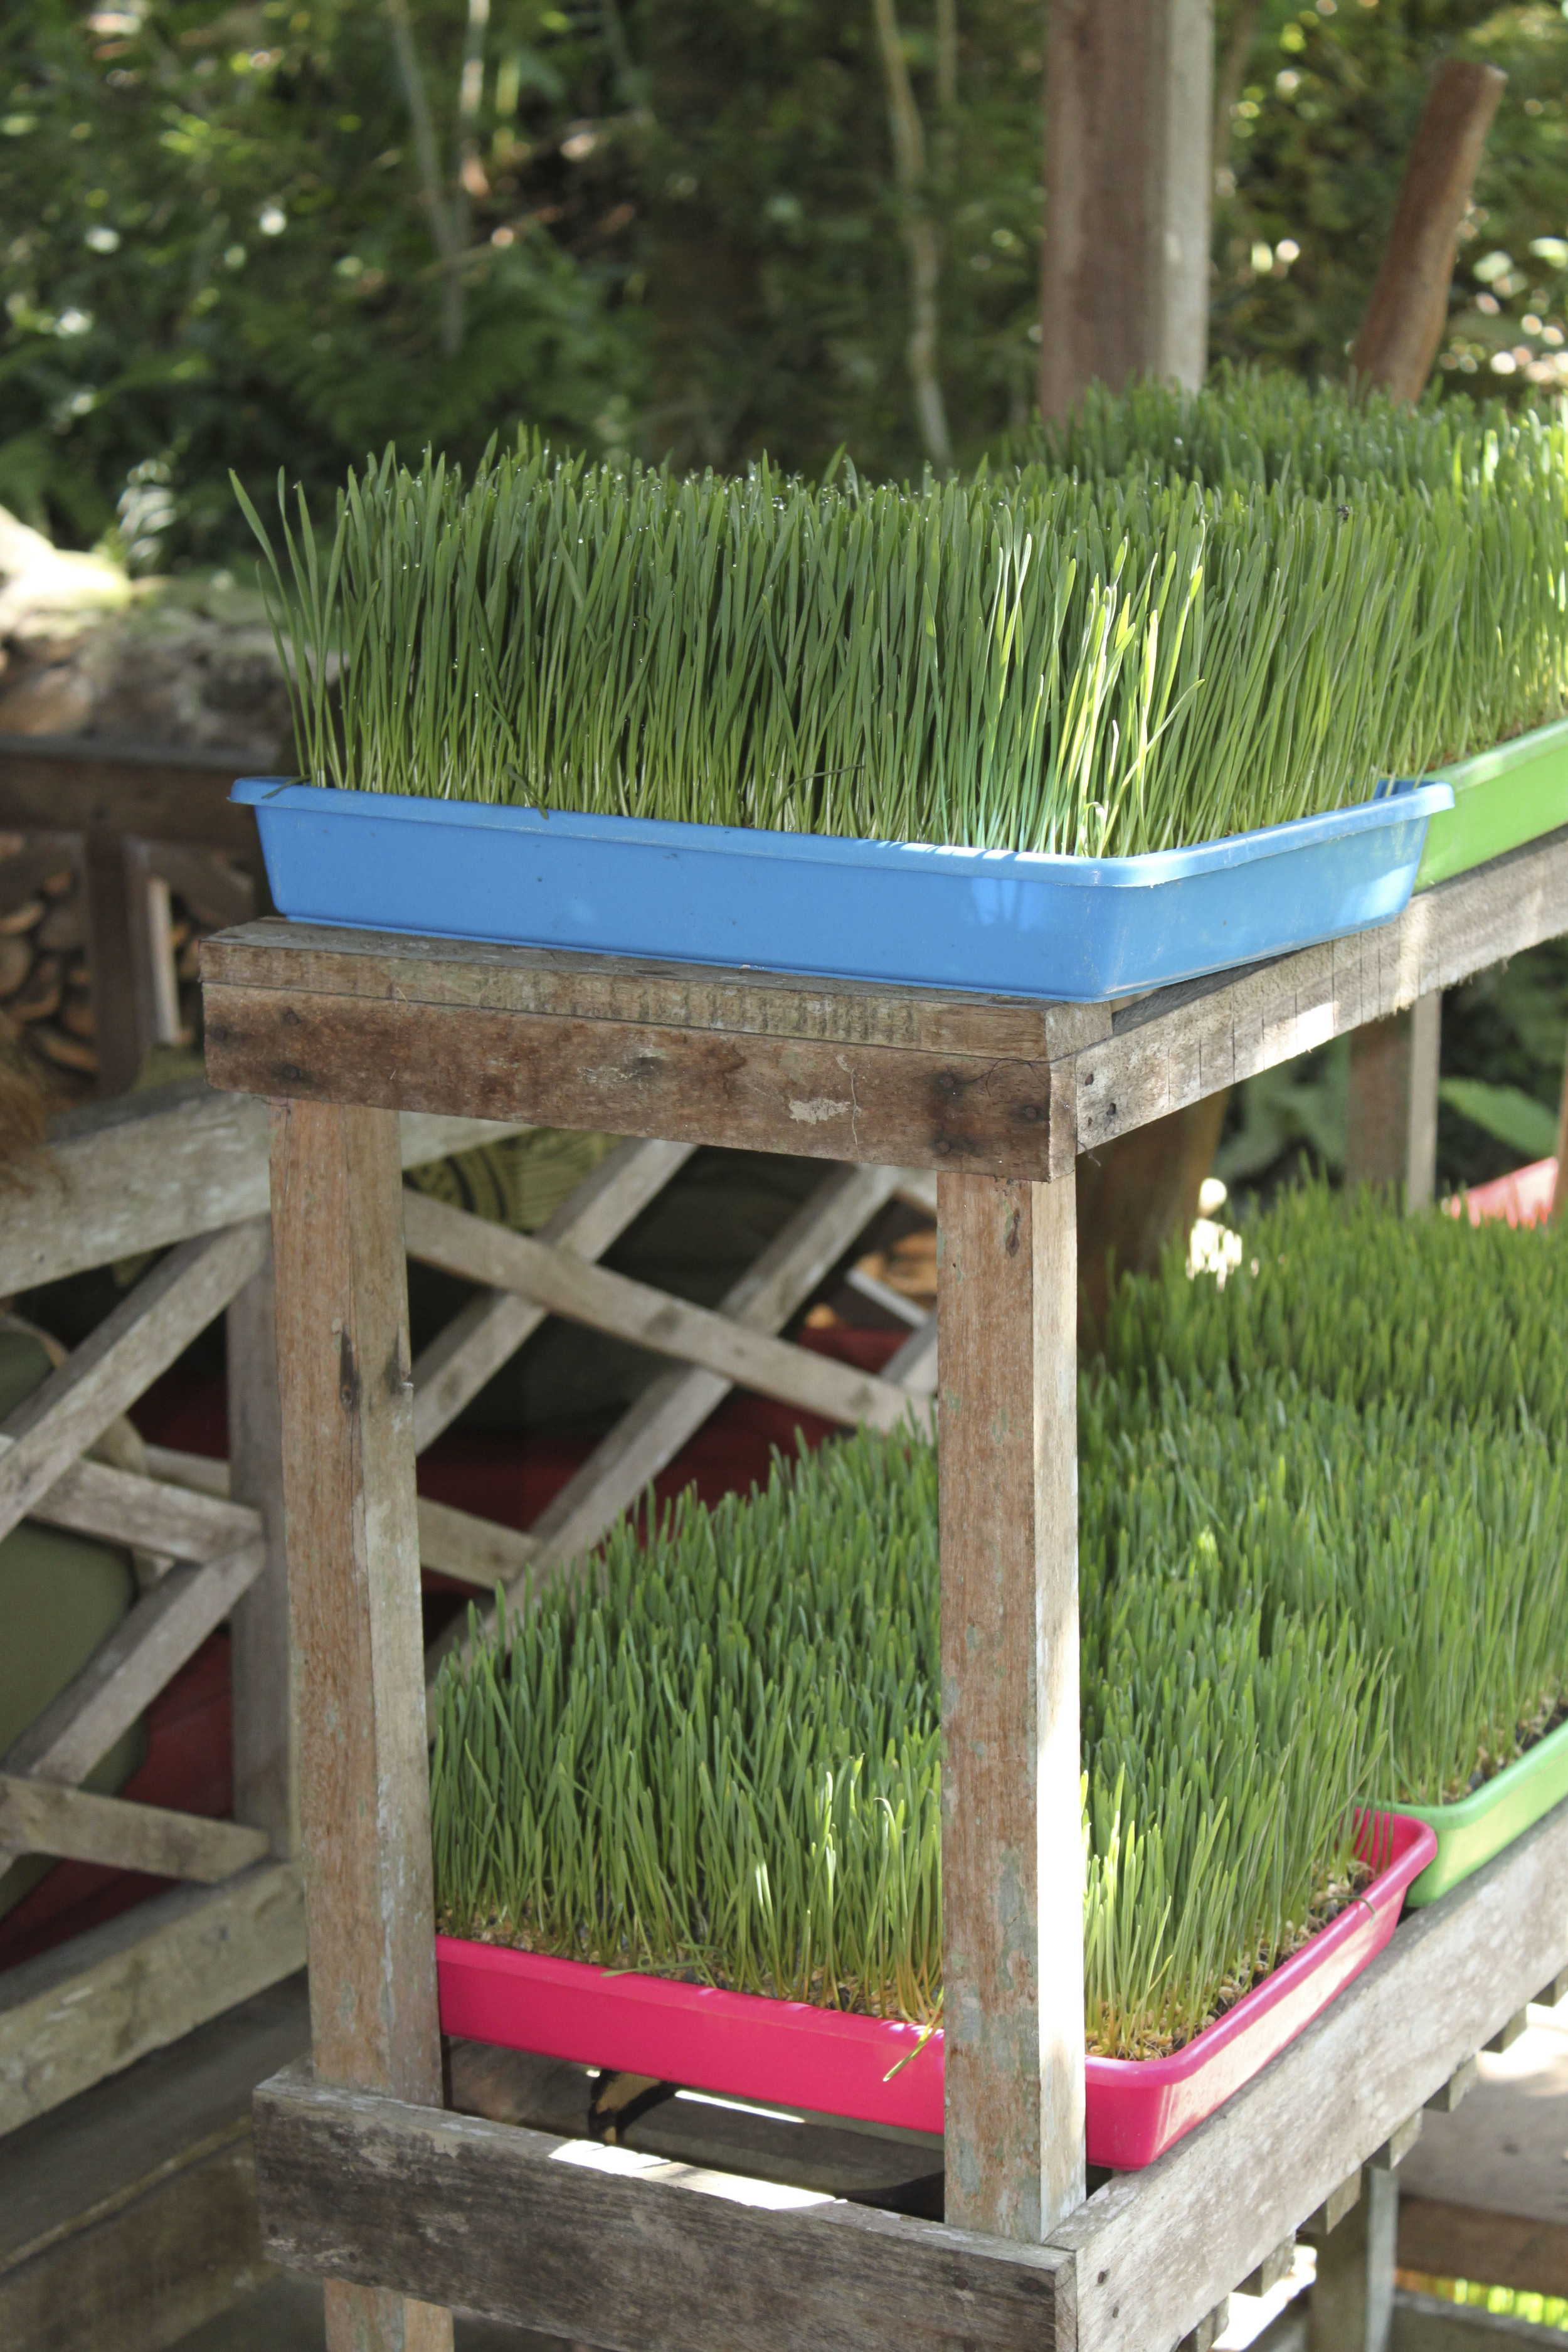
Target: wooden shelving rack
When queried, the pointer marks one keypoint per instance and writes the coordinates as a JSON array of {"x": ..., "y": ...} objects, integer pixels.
[{"x": 407, "y": 2209}]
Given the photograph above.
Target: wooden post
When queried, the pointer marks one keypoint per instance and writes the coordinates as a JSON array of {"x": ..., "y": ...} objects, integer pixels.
[
  {"x": 1129, "y": 101},
  {"x": 1351, "y": 2308},
  {"x": 115, "y": 917},
  {"x": 266, "y": 1783},
  {"x": 1391, "y": 1116},
  {"x": 1408, "y": 311},
  {"x": 353, "y": 1594},
  {"x": 1011, "y": 1847}
]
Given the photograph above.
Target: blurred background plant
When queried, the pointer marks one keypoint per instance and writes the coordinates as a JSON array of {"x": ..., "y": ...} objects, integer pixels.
[{"x": 283, "y": 232}]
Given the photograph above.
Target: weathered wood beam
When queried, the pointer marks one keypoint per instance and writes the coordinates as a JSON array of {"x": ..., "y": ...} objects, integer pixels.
[
  {"x": 125, "y": 1674},
  {"x": 148, "y": 1169},
  {"x": 488, "y": 1332},
  {"x": 1390, "y": 1121},
  {"x": 621, "y": 2249},
  {"x": 477, "y": 1551},
  {"x": 69, "y": 782},
  {"x": 353, "y": 1591},
  {"x": 263, "y": 1742},
  {"x": 97, "y": 2004},
  {"x": 137, "y": 1340},
  {"x": 1011, "y": 1847},
  {"x": 818, "y": 1067},
  {"x": 1158, "y": 2248},
  {"x": 1177, "y": 1045},
  {"x": 94, "y": 1499},
  {"x": 41, "y": 1817},
  {"x": 481, "y": 1252}
]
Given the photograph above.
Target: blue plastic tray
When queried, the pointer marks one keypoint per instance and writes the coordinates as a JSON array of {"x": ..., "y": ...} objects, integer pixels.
[{"x": 1079, "y": 929}]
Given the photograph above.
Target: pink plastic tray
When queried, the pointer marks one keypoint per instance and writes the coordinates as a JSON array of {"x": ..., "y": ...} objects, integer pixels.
[
  {"x": 1523, "y": 1196},
  {"x": 790, "y": 2054}
]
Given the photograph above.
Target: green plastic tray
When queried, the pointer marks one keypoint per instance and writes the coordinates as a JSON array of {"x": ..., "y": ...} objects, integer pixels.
[
  {"x": 1502, "y": 798},
  {"x": 1502, "y": 1809}
]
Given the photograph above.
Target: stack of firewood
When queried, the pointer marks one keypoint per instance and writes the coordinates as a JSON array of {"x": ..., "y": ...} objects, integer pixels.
[{"x": 46, "y": 979}]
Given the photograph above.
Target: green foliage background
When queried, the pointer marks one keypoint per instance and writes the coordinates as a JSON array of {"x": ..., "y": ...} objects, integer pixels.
[{"x": 678, "y": 224}]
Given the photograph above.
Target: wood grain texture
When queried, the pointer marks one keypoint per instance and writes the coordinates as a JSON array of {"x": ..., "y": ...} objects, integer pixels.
[
  {"x": 41, "y": 1817},
  {"x": 1177, "y": 1045},
  {"x": 115, "y": 904},
  {"x": 95, "y": 1500},
  {"x": 1377, "y": 1112},
  {"x": 137, "y": 1340},
  {"x": 353, "y": 1591},
  {"x": 264, "y": 1750},
  {"x": 147, "y": 1170},
  {"x": 70, "y": 782},
  {"x": 1011, "y": 1843},
  {"x": 747, "y": 1090},
  {"x": 1407, "y": 313},
  {"x": 478, "y": 1551},
  {"x": 622, "y": 2250},
  {"x": 479, "y": 1251},
  {"x": 125, "y": 1673},
  {"x": 470, "y": 976},
  {"x": 1157, "y": 2249},
  {"x": 353, "y": 1569},
  {"x": 97, "y": 2004}
]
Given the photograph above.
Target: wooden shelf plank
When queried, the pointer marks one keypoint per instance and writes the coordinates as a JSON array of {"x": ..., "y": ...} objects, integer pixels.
[
  {"x": 1159, "y": 2248},
  {"x": 983, "y": 1084},
  {"x": 621, "y": 2248}
]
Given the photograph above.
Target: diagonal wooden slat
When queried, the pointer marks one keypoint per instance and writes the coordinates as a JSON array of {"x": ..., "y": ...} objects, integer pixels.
[
  {"x": 96, "y": 1500},
  {"x": 652, "y": 1433},
  {"x": 468, "y": 1246},
  {"x": 41, "y": 1817},
  {"x": 111, "y": 1368},
  {"x": 914, "y": 1366},
  {"x": 125, "y": 1675},
  {"x": 479, "y": 1552},
  {"x": 674, "y": 1406},
  {"x": 488, "y": 1332}
]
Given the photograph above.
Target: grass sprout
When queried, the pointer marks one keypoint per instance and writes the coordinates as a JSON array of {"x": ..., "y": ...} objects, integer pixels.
[
  {"x": 721, "y": 1761},
  {"x": 1125, "y": 644}
]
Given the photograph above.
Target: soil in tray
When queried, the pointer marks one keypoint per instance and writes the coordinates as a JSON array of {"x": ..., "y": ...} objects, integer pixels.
[{"x": 797, "y": 2055}]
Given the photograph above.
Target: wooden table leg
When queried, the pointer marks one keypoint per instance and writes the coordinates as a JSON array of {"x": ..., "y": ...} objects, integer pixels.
[
  {"x": 1391, "y": 1116},
  {"x": 1012, "y": 1849},
  {"x": 353, "y": 1593},
  {"x": 1351, "y": 2308}
]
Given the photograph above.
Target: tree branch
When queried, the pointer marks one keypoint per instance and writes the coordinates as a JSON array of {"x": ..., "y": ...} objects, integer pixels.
[
  {"x": 444, "y": 229},
  {"x": 920, "y": 238}
]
